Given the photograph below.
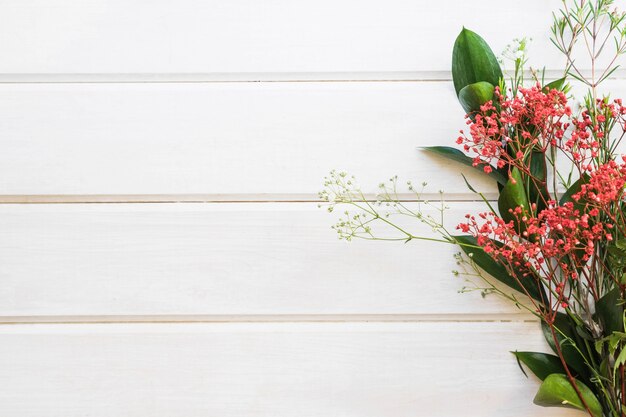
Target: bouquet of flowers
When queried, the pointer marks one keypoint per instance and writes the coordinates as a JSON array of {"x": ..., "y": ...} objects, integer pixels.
[{"x": 556, "y": 236}]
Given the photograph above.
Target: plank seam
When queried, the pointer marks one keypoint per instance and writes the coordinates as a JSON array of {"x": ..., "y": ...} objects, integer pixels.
[
  {"x": 210, "y": 198},
  {"x": 268, "y": 318},
  {"x": 243, "y": 77}
]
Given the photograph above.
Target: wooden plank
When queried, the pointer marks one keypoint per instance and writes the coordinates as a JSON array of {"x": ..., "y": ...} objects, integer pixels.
[
  {"x": 246, "y": 36},
  {"x": 207, "y": 142},
  {"x": 266, "y": 141},
  {"x": 215, "y": 262},
  {"x": 312, "y": 370}
]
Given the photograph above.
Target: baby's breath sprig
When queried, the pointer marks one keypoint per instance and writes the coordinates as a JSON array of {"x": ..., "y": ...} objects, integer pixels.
[
  {"x": 517, "y": 53},
  {"x": 478, "y": 281},
  {"x": 360, "y": 216}
]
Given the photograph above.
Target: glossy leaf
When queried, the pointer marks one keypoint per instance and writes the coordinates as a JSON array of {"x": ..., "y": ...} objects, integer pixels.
[
  {"x": 611, "y": 312},
  {"x": 557, "y": 391},
  {"x": 575, "y": 361},
  {"x": 475, "y": 95},
  {"x": 512, "y": 195},
  {"x": 540, "y": 364},
  {"x": 458, "y": 156},
  {"x": 473, "y": 61},
  {"x": 496, "y": 270}
]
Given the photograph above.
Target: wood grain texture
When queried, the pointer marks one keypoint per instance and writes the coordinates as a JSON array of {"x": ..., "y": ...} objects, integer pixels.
[
  {"x": 312, "y": 370},
  {"x": 266, "y": 141},
  {"x": 260, "y": 141},
  {"x": 246, "y": 36},
  {"x": 220, "y": 260}
]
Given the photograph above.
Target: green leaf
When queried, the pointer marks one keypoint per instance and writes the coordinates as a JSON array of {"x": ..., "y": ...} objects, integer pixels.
[
  {"x": 557, "y": 391},
  {"x": 612, "y": 342},
  {"x": 473, "y": 61},
  {"x": 498, "y": 271},
  {"x": 458, "y": 156},
  {"x": 559, "y": 84},
  {"x": 566, "y": 337},
  {"x": 604, "y": 368},
  {"x": 567, "y": 197},
  {"x": 540, "y": 364},
  {"x": 475, "y": 95},
  {"x": 620, "y": 360},
  {"x": 538, "y": 189},
  {"x": 584, "y": 333},
  {"x": 513, "y": 195},
  {"x": 611, "y": 312},
  {"x": 574, "y": 189},
  {"x": 615, "y": 339}
]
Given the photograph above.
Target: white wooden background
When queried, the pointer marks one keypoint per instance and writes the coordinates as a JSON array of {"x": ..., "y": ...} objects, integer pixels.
[{"x": 161, "y": 249}]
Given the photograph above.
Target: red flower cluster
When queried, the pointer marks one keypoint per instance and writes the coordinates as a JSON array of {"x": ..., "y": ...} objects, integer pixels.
[
  {"x": 504, "y": 132},
  {"x": 555, "y": 242},
  {"x": 559, "y": 233},
  {"x": 532, "y": 120},
  {"x": 605, "y": 186},
  {"x": 584, "y": 142}
]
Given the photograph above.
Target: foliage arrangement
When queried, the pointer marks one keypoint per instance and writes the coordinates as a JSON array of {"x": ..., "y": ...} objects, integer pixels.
[{"x": 556, "y": 237}]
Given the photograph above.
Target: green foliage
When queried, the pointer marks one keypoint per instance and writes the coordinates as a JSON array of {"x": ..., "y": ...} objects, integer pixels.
[
  {"x": 560, "y": 84},
  {"x": 610, "y": 342},
  {"x": 617, "y": 260},
  {"x": 574, "y": 189},
  {"x": 568, "y": 341},
  {"x": 540, "y": 364},
  {"x": 469, "y": 245},
  {"x": 579, "y": 21},
  {"x": 456, "y": 155},
  {"x": 537, "y": 187},
  {"x": 610, "y": 311},
  {"x": 475, "y": 95},
  {"x": 473, "y": 61},
  {"x": 513, "y": 195},
  {"x": 621, "y": 358},
  {"x": 557, "y": 391}
]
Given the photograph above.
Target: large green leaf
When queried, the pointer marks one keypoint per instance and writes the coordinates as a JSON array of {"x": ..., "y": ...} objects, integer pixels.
[
  {"x": 557, "y": 391},
  {"x": 498, "y": 271},
  {"x": 458, "y": 156},
  {"x": 566, "y": 336},
  {"x": 540, "y": 364},
  {"x": 473, "y": 61},
  {"x": 475, "y": 95},
  {"x": 513, "y": 195},
  {"x": 610, "y": 311}
]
